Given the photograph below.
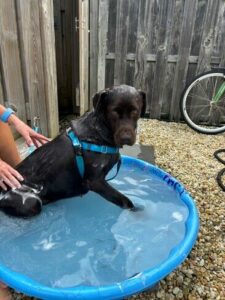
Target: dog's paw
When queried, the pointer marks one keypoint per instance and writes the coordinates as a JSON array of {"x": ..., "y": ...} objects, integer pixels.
[
  {"x": 137, "y": 208},
  {"x": 128, "y": 205}
]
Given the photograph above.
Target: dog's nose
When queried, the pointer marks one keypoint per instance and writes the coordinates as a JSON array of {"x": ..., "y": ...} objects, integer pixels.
[{"x": 126, "y": 139}]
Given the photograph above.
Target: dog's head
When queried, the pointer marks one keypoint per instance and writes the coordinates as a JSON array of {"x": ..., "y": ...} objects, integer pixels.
[{"x": 121, "y": 107}]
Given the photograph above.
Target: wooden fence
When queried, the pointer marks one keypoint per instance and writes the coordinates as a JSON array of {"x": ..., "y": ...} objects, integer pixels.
[
  {"x": 27, "y": 61},
  {"x": 155, "y": 45}
]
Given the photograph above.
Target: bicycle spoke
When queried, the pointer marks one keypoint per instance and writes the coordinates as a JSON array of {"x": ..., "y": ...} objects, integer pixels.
[
  {"x": 221, "y": 100},
  {"x": 221, "y": 108},
  {"x": 213, "y": 86},
  {"x": 216, "y": 121},
  {"x": 198, "y": 114},
  {"x": 202, "y": 89},
  {"x": 211, "y": 81},
  {"x": 196, "y": 106},
  {"x": 203, "y": 98}
]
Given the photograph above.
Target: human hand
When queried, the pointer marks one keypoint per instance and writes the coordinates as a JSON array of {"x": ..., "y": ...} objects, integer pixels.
[
  {"x": 9, "y": 176},
  {"x": 31, "y": 137}
]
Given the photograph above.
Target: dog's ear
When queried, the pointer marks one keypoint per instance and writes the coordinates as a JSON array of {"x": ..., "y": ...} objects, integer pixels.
[
  {"x": 143, "y": 98},
  {"x": 99, "y": 98}
]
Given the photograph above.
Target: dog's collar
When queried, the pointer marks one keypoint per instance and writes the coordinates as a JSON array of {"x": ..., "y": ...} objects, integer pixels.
[{"x": 91, "y": 147}]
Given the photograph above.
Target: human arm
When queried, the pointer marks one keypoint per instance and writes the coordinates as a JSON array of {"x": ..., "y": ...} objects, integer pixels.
[{"x": 31, "y": 137}]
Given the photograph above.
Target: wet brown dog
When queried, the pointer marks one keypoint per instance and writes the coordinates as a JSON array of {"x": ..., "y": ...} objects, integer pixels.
[{"x": 52, "y": 173}]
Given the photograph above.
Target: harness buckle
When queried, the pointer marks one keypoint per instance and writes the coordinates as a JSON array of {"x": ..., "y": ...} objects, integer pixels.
[{"x": 104, "y": 149}]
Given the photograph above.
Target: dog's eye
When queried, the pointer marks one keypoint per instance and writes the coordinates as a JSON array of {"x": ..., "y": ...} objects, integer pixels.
[
  {"x": 118, "y": 111},
  {"x": 134, "y": 113}
]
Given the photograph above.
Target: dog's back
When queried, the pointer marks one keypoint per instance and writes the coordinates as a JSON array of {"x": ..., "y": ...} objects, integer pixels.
[{"x": 53, "y": 169}]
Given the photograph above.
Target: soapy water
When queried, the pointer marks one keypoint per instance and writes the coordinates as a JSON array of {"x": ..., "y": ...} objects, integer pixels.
[{"x": 89, "y": 241}]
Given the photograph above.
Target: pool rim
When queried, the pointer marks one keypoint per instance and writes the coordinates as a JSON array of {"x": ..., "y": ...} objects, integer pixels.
[{"x": 140, "y": 282}]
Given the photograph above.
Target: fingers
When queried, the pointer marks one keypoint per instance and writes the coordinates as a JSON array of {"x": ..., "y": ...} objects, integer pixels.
[
  {"x": 28, "y": 140},
  {"x": 11, "y": 181},
  {"x": 2, "y": 185},
  {"x": 38, "y": 139},
  {"x": 42, "y": 137},
  {"x": 35, "y": 142},
  {"x": 17, "y": 174},
  {"x": 9, "y": 176}
]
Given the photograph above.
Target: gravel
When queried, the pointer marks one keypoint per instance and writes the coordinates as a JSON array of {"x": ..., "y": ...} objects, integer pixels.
[{"x": 188, "y": 156}]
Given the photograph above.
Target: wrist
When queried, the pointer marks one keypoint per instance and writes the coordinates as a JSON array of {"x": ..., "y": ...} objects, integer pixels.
[
  {"x": 12, "y": 119},
  {"x": 4, "y": 117}
]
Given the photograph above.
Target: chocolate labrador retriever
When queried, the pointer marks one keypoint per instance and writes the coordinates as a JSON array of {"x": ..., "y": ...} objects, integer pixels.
[{"x": 79, "y": 160}]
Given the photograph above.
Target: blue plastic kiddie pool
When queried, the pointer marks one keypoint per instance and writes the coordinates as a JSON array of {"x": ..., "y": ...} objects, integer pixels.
[{"x": 88, "y": 248}]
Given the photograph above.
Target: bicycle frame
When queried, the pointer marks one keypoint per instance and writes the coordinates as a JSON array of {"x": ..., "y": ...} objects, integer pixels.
[{"x": 219, "y": 93}]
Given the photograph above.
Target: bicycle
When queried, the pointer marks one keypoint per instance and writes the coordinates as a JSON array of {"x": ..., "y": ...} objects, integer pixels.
[
  {"x": 202, "y": 102},
  {"x": 202, "y": 105}
]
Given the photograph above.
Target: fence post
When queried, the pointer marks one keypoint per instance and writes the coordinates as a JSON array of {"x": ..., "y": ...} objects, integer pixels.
[
  {"x": 84, "y": 54},
  {"x": 49, "y": 62}
]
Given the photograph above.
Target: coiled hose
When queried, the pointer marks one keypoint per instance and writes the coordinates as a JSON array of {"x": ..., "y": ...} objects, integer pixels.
[{"x": 222, "y": 172}]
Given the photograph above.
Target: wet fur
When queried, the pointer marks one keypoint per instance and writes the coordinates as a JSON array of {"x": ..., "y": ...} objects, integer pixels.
[{"x": 51, "y": 173}]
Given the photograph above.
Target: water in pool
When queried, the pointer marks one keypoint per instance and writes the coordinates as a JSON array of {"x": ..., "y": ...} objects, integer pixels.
[{"x": 89, "y": 241}]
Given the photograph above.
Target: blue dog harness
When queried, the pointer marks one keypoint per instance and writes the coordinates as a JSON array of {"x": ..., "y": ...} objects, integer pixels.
[{"x": 79, "y": 145}]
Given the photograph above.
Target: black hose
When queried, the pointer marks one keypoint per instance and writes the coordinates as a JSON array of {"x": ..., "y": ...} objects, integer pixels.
[{"x": 222, "y": 172}]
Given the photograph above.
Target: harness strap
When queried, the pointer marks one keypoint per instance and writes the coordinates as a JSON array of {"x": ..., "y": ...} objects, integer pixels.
[
  {"x": 117, "y": 169},
  {"x": 79, "y": 146}
]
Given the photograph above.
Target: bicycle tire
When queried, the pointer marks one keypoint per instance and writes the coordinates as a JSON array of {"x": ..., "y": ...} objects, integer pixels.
[{"x": 213, "y": 73}]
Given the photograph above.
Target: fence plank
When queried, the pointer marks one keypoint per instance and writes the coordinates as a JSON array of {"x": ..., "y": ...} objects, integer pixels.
[
  {"x": 208, "y": 36},
  {"x": 130, "y": 69},
  {"x": 167, "y": 90},
  {"x": 176, "y": 27},
  {"x": 49, "y": 62},
  {"x": 66, "y": 37},
  {"x": 1, "y": 87},
  {"x": 184, "y": 52},
  {"x": 173, "y": 44},
  {"x": 143, "y": 34},
  {"x": 198, "y": 27},
  {"x": 111, "y": 32},
  {"x": 133, "y": 26},
  {"x": 58, "y": 40},
  {"x": 122, "y": 25},
  {"x": 221, "y": 35},
  {"x": 75, "y": 57},
  {"x": 218, "y": 49},
  {"x": 93, "y": 47},
  {"x": 109, "y": 76},
  {"x": 84, "y": 54},
  {"x": 165, "y": 13},
  {"x": 102, "y": 41},
  {"x": 32, "y": 62},
  {"x": 11, "y": 64}
]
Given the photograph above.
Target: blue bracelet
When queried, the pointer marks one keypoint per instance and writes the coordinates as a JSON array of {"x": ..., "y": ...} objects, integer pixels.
[{"x": 5, "y": 116}]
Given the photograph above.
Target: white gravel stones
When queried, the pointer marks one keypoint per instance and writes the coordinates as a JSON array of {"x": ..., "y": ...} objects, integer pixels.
[{"x": 188, "y": 156}]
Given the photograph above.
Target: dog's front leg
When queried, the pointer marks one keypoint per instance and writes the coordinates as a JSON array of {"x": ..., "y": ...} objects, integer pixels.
[{"x": 109, "y": 193}]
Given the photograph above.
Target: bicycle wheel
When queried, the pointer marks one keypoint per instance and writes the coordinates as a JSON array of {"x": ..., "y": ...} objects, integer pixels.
[{"x": 203, "y": 103}]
